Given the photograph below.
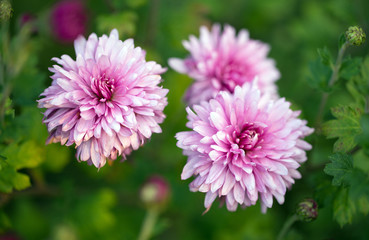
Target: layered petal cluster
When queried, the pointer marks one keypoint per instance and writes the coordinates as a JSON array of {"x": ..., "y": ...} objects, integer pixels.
[
  {"x": 107, "y": 102},
  {"x": 221, "y": 61},
  {"x": 243, "y": 147}
]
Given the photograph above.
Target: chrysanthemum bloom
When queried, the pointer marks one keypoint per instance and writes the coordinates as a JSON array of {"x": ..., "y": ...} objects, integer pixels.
[
  {"x": 107, "y": 102},
  {"x": 243, "y": 147},
  {"x": 68, "y": 20},
  {"x": 221, "y": 61}
]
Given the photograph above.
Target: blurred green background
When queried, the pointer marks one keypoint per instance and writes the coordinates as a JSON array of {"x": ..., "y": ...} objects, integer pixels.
[{"x": 71, "y": 200}]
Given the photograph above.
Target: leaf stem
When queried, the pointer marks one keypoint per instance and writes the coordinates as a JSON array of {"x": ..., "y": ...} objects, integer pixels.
[
  {"x": 287, "y": 225},
  {"x": 332, "y": 80},
  {"x": 148, "y": 224}
]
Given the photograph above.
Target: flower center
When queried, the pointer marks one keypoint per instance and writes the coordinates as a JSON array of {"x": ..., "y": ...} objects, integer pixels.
[
  {"x": 233, "y": 74},
  {"x": 103, "y": 87},
  {"x": 249, "y": 136}
]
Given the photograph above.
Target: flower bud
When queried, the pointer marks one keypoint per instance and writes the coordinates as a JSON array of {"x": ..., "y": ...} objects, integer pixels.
[
  {"x": 69, "y": 20},
  {"x": 29, "y": 19},
  {"x": 307, "y": 210},
  {"x": 155, "y": 192},
  {"x": 355, "y": 35},
  {"x": 6, "y": 10}
]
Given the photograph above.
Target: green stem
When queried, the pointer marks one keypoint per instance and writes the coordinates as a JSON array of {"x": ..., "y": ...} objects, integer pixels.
[
  {"x": 287, "y": 225},
  {"x": 148, "y": 224},
  {"x": 332, "y": 80}
]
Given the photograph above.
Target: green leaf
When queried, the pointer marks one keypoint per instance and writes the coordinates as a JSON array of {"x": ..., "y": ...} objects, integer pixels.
[
  {"x": 21, "y": 181},
  {"x": 350, "y": 67},
  {"x": 354, "y": 192},
  {"x": 24, "y": 155},
  {"x": 363, "y": 138},
  {"x": 320, "y": 75},
  {"x": 325, "y": 56},
  {"x": 343, "y": 208},
  {"x": 10, "y": 178},
  {"x": 358, "y": 183},
  {"x": 353, "y": 87},
  {"x": 345, "y": 127},
  {"x": 340, "y": 168}
]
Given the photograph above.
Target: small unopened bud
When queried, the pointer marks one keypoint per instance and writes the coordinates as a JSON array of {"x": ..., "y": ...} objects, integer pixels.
[
  {"x": 6, "y": 10},
  {"x": 307, "y": 210},
  {"x": 155, "y": 192},
  {"x": 355, "y": 35},
  {"x": 29, "y": 19}
]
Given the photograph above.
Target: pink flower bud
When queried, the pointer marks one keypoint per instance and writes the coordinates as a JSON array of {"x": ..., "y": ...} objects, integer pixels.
[
  {"x": 68, "y": 20},
  {"x": 155, "y": 192}
]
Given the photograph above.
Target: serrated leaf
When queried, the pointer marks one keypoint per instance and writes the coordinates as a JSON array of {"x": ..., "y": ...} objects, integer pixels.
[
  {"x": 25, "y": 155},
  {"x": 340, "y": 168},
  {"x": 325, "y": 56},
  {"x": 358, "y": 85},
  {"x": 350, "y": 67},
  {"x": 343, "y": 208},
  {"x": 355, "y": 91},
  {"x": 358, "y": 184},
  {"x": 363, "y": 138},
  {"x": 320, "y": 75},
  {"x": 354, "y": 192},
  {"x": 345, "y": 127},
  {"x": 10, "y": 178}
]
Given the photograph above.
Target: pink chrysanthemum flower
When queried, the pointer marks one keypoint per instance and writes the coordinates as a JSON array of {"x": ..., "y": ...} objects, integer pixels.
[
  {"x": 221, "y": 61},
  {"x": 107, "y": 102},
  {"x": 243, "y": 147}
]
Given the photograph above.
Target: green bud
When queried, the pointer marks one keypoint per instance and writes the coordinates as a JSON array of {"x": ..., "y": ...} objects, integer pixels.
[
  {"x": 355, "y": 35},
  {"x": 6, "y": 10},
  {"x": 307, "y": 210}
]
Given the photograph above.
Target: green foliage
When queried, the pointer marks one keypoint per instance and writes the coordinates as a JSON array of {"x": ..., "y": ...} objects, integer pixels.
[
  {"x": 340, "y": 168},
  {"x": 321, "y": 72},
  {"x": 354, "y": 188},
  {"x": 70, "y": 200},
  {"x": 124, "y": 22},
  {"x": 345, "y": 127},
  {"x": 363, "y": 138},
  {"x": 325, "y": 56},
  {"x": 358, "y": 85},
  {"x": 19, "y": 156},
  {"x": 350, "y": 67},
  {"x": 343, "y": 207}
]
